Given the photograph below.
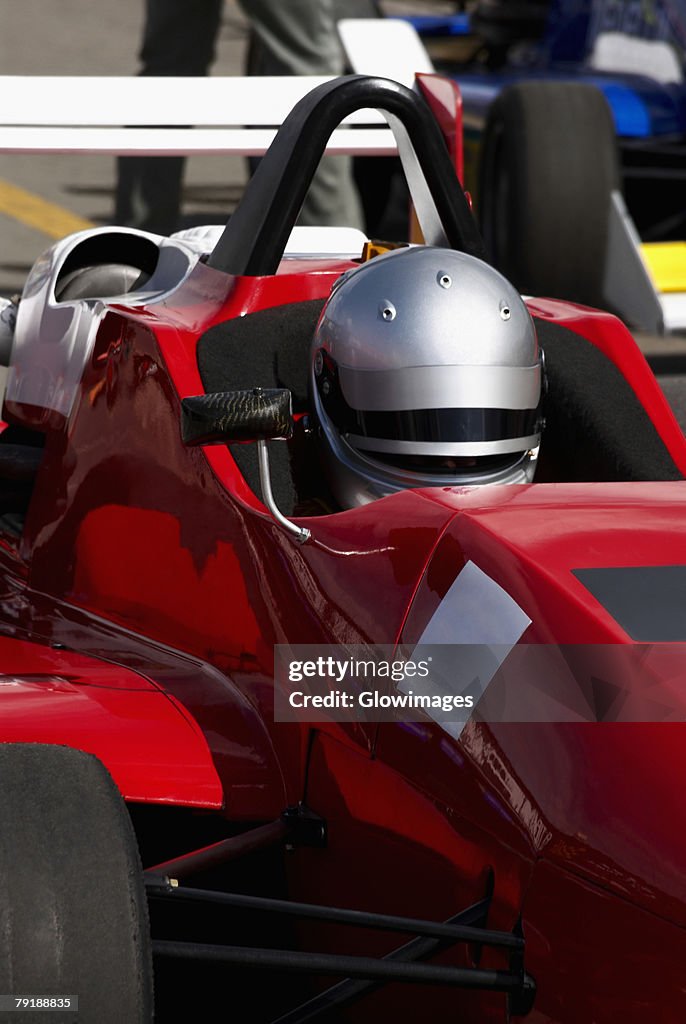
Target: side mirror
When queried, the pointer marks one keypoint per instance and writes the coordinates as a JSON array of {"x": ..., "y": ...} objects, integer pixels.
[
  {"x": 258, "y": 415},
  {"x": 228, "y": 416}
]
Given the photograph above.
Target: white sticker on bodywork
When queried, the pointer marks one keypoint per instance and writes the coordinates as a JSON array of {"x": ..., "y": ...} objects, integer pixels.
[{"x": 478, "y": 613}]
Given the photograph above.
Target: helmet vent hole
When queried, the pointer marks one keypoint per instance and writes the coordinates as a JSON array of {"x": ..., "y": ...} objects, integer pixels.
[
  {"x": 445, "y": 280},
  {"x": 505, "y": 311},
  {"x": 387, "y": 310}
]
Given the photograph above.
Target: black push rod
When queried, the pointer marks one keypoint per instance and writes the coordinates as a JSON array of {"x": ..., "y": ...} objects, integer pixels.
[
  {"x": 350, "y": 991},
  {"x": 222, "y": 852},
  {"x": 339, "y": 915},
  {"x": 350, "y": 966}
]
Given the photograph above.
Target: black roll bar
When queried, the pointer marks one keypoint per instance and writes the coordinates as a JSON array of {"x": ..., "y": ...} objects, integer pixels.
[{"x": 255, "y": 237}]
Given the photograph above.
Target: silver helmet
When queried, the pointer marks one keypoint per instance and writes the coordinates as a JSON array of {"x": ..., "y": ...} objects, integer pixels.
[{"x": 425, "y": 372}]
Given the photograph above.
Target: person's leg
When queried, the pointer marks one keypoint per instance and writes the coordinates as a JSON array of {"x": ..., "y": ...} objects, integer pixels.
[
  {"x": 178, "y": 39},
  {"x": 148, "y": 194},
  {"x": 299, "y": 37},
  {"x": 179, "y": 36}
]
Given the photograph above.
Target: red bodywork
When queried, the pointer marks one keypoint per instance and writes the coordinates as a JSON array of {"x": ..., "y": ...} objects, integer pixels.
[
  {"x": 156, "y": 753},
  {"x": 141, "y": 605}
]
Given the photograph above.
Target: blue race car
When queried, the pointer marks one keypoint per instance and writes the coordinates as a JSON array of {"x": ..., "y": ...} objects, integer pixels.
[{"x": 575, "y": 145}]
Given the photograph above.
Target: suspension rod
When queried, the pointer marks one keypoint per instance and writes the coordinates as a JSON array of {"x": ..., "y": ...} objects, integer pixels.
[
  {"x": 339, "y": 915},
  {"x": 350, "y": 966}
]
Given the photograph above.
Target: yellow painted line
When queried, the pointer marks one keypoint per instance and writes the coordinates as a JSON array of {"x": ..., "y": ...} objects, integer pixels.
[
  {"x": 667, "y": 264},
  {"x": 53, "y": 220}
]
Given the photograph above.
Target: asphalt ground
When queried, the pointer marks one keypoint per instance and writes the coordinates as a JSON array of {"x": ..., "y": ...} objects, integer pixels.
[{"x": 43, "y": 198}]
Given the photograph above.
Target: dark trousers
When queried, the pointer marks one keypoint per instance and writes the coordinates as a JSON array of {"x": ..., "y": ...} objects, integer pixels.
[{"x": 295, "y": 37}]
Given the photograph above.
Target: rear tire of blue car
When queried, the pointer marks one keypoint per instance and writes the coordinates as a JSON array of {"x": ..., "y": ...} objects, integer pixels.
[
  {"x": 549, "y": 164},
  {"x": 73, "y": 912}
]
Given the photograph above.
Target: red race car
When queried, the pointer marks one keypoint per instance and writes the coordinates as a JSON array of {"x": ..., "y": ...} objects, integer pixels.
[{"x": 514, "y": 854}]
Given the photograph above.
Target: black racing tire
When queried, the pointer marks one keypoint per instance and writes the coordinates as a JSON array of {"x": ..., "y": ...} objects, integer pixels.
[
  {"x": 73, "y": 912},
  {"x": 548, "y": 166}
]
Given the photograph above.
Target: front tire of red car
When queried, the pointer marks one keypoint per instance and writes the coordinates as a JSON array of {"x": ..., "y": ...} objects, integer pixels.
[{"x": 73, "y": 912}]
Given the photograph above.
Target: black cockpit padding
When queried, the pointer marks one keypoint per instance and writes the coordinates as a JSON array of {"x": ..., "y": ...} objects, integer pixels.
[
  {"x": 596, "y": 428},
  {"x": 268, "y": 349}
]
